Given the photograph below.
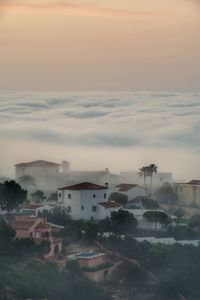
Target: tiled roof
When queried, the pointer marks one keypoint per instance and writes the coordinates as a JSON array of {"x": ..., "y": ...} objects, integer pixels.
[
  {"x": 38, "y": 163},
  {"x": 22, "y": 226},
  {"x": 23, "y": 222},
  {"x": 43, "y": 226},
  {"x": 110, "y": 204},
  {"x": 194, "y": 182},
  {"x": 32, "y": 206},
  {"x": 124, "y": 187},
  {"x": 84, "y": 186}
]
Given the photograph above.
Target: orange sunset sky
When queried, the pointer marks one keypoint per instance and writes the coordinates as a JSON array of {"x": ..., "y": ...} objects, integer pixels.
[{"x": 100, "y": 45}]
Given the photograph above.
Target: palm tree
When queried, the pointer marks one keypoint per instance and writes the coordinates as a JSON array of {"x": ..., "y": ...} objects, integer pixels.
[
  {"x": 152, "y": 168},
  {"x": 148, "y": 171},
  {"x": 144, "y": 172}
]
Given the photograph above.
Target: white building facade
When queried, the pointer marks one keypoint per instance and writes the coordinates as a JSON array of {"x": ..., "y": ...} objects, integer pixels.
[
  {"x": 41, "y": 172},
  {"x": 131, "y": 190},
  {"x": 86, "y": 201}
]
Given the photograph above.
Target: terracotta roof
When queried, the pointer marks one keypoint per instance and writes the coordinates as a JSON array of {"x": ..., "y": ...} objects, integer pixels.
[
  {"x": 194, "y": 182},
  {"x": 23, "y": 222},
  {"x": 43, "y": 226},
  {"x": 22, "y": 226},
  {"x": 110, "y": 204},
  {"x": 84, "y": 186},
  {"x": 38, "y": 163},
  {"x": 32, "y": 206},
  {"x": 124, "y": 187}
]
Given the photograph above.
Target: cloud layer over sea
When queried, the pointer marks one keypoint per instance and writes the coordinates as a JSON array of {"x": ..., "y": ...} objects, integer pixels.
[{"x": 95, "y": 129}]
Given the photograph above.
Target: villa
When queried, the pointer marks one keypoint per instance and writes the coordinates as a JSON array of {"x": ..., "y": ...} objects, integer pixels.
[
  {"x": 39, "y": 230},
  {"x": 188, "y": 192},
  {"x": 86, "y": 201}
]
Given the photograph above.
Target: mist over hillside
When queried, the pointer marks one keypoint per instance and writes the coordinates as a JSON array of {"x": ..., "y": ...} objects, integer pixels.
[{"x": 96, "y": 130}]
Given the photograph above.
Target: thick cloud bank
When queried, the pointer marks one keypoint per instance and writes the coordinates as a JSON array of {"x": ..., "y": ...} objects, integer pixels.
[{"x": 130, "y": 127}]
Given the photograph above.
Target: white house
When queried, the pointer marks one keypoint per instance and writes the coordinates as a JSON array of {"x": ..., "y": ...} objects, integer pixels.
[
  {"x": 87, "y": 201},
  {"x": 131, "y": 190},
  {"x": 37, "y": 175},
  {"x": 36, "y": 168},
  {"x": 49, "y": 176}
]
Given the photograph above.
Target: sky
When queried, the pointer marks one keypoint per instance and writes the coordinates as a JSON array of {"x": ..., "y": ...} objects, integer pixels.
[
  {"x": 112, "y": 45},
  {"x": 101, "y": 83}
]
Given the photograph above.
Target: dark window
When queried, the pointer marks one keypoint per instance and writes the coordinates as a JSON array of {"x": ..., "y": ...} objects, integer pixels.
[
  {"x": 69, "y": 209},
  {"x": 46, "y": 234},
  {"x": 59, "y": 195},
  {"x": 105, "y": 273},
  {"x": 82, "y": 207},
  {"x": 105, "y": 196},
  {"x": 94, "y": 208},
  {"x": 94, "y": 195},
  {"x": 92, "y": 218},
  {"x": 69, "y": 196}
]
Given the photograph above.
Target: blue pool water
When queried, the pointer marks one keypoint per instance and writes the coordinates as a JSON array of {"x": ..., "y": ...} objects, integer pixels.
[{"x": 86, "y": 254}]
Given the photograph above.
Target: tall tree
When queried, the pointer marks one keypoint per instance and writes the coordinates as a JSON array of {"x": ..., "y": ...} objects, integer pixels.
[
  {"x": 152, "y": 169},
  {"x": 123, "y": 222},
  {"x": 144, "y": 172},
  {"x": 148, "y": 171},
  {"x": 11, "y": 195},
  {"x": 156, "y": 217}
]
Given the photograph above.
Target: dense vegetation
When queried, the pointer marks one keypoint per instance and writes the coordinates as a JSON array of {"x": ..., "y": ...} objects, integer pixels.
[
  {"x": 11, "y": 195},
  {"x": 166, "y": 195},
  {"x": 35, "y": 279},
  {"x": 25, "y": 275},
  {"x": 176, "y": 268},
  {"x": 120, "y": 222}
]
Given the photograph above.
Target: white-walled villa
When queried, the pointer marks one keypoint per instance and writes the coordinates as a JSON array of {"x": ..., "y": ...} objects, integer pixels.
[{"x": 87, "y": 201}]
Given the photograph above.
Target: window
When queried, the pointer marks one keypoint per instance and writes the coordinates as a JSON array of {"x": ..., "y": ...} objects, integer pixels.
[
  {"x": 69, "y": 209},
  {"x": 92, "y": 218},
  {"x": 59, "y": 195},
  {"x": 94, "y": 208},
  {"x": 94, "y": 195},
  {"x": 46, "y": 234},
  {"x": 105, "y": 196},
  {"x": 69, "y": 196},
  {"x": 82, "y": 207}
]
